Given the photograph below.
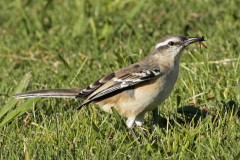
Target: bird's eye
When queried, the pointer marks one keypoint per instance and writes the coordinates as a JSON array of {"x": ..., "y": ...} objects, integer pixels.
[{"x": 171, "y": 43}]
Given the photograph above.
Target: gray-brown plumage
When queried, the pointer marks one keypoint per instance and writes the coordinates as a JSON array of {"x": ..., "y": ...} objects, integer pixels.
[
  {"x": 56, "y": 93},
  {"x": 135, "y": 89}
]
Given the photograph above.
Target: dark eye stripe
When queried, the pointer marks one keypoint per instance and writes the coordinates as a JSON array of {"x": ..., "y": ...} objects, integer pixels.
[
  {"x": 171, "y": 43},
  {"x": 167, "y": 45},
  {"x": 177, "y": 43}
]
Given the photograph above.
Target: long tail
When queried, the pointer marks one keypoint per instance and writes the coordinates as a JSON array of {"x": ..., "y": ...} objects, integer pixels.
[{"x": 57, "y": 93}]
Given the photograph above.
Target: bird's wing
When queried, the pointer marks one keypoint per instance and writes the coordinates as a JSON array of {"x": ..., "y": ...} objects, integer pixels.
[
  {"x": 123, "y": 79},
  {"x": 95, "y": 85}
]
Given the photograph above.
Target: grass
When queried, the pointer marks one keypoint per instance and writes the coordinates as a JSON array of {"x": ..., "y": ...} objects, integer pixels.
[{"x": 67, "y": 44}]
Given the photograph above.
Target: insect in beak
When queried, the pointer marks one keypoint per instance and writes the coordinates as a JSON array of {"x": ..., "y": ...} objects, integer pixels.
[{"x": 191, "y": 40}]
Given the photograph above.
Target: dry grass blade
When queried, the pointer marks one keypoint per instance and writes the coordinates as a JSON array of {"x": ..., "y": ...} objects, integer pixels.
[{"x": 224, "y": 61}]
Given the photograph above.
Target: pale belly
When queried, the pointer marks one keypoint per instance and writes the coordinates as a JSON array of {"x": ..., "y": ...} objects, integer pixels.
[{"x": 146, "y": 97}]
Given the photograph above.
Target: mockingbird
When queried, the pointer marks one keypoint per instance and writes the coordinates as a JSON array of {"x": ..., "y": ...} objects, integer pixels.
[{"x": 135, "y": 89}]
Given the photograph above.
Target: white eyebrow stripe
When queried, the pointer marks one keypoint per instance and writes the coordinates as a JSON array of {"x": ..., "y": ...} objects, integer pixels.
[{"x": 160, "y": 44}]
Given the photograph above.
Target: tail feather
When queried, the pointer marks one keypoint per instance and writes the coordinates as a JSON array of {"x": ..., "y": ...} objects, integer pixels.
[{"x": 56, "y": 93}]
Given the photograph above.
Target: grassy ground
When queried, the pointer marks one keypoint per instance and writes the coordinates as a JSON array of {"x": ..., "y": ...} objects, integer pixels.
[{"x": 67, "y": 44}]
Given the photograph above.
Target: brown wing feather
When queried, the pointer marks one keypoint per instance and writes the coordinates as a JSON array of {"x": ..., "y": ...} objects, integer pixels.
[{"x": 95, "y": 85}]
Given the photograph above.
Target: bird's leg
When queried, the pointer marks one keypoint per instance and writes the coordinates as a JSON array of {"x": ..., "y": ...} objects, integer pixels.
[
  {"x": 158, "y": 120},
  {"x": 133, "y": 133},
  {"x": 156, "y": 117},
  {"x": 139, "y": 119},
  {"x": 130, "y": 122}
]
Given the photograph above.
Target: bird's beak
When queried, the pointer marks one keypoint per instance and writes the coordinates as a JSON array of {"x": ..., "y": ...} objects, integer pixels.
[{"x": 191, "y": 40}]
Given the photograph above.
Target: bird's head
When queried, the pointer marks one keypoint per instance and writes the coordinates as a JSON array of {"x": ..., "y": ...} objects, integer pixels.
[{"x": 171, "y": 46}]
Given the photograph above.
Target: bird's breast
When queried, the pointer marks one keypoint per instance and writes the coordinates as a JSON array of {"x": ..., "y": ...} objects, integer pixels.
[{"x": 165, "y": 87}]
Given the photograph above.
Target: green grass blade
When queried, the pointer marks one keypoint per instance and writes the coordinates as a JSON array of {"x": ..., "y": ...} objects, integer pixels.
[
  {"x": 17, "y": 112},
  {"x": 12, "y": 101}
]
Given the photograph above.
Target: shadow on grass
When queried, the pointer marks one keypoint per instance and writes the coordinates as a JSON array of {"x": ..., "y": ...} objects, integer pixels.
[{"x": 189, "y": 114}]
